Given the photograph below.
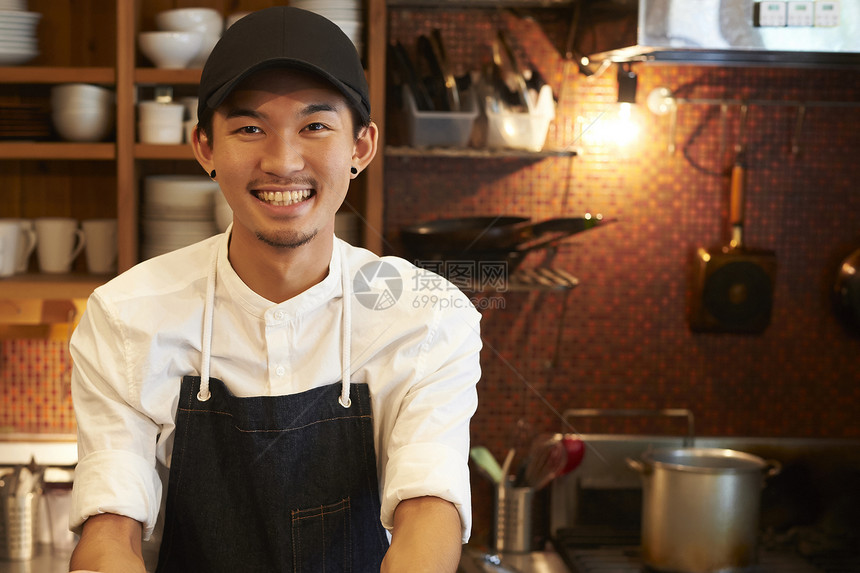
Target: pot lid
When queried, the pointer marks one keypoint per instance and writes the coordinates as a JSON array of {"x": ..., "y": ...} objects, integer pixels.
[{"x": 704, "y": 460}]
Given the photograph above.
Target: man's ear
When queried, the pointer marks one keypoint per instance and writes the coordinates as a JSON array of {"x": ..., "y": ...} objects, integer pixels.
[
  {"x": 202, "y": 149},
  {"x": 365, "y": 146}
]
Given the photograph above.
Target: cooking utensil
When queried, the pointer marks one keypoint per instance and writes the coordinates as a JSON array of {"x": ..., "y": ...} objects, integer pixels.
[
  {"x": 405, "y": 69},
  {"x": 452, "y": 93},
  {"x": 487, "y": 463},
  {"x": 513, "y": 70},
  {"x": 444, "y": 86},
  {"x": 846, "y": 292},
  {"x": 479, "y": 234},
  {"x": 700, "y": 508},
  {"x": 733, "y": 289},
  {"x": 503, "y": 242},
  {"x": 552, "y": 457}
]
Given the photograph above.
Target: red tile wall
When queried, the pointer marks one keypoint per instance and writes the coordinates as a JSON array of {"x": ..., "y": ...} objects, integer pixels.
[
  {"x": 34, "y": 387},
  {"x": 621, "y": 339}
]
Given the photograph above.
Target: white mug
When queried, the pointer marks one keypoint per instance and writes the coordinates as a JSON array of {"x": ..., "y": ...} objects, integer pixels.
[
  {"x": 59, "y": 242},
  {"x": 101, "y": 249},
  {"x": 26, "y": 244},
  {"x": 10, "y": 236}
]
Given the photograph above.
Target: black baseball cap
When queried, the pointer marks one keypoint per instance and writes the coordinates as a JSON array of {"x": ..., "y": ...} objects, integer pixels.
[{"x": 282, "y": 36}]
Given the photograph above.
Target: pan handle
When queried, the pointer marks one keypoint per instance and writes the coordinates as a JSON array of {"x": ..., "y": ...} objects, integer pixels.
[
  {"x": 569, "y": 225},
  {"x": 556, "y": 230}
]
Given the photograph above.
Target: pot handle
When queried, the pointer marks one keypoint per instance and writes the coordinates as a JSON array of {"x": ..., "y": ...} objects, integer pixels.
[
  {"x": 638, "y": 466},
  {"x": 772, "y": 468}
]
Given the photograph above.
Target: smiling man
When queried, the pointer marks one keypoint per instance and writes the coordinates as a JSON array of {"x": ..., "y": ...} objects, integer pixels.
[{"x": 245, "y": 403}]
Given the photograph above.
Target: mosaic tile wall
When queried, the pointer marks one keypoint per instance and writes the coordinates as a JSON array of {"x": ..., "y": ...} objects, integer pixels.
[
  {"x": 34, "y": 387},
  {"x": 621, "y": 339}
]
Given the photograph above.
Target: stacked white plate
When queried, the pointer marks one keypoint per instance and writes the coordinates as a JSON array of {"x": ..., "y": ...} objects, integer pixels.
[
  {"x": 347, "y": 14},
  {"x": 177, "y": 211},
  {"x": 18, "y": 41}
]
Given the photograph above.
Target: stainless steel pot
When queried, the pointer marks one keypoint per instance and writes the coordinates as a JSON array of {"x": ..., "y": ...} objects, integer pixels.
[{"x": 700, "y": 508}]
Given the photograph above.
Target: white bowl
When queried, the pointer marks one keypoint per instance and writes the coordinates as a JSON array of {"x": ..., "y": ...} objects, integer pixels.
[
  {"x": 190, "y": 19},
  {"x": 206, "y": 46},
  {"x": 84, "y": 125},
  {"x": 170, "y": 50},
  {"x": 72, "y": 95}
]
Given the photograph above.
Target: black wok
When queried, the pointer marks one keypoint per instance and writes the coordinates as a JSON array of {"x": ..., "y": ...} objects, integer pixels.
[{"x": 470, "y": 235}]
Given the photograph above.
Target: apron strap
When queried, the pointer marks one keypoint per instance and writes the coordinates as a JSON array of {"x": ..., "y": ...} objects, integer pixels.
[
  {"x": 346, "y": 360},
  {"x": 209, "y": 313}
]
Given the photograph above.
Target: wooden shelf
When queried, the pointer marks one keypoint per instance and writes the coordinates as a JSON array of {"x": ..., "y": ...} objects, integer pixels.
[
  {"x": 474, "y": 153},
  {"x": 154, "y": 151},
  {"x": 59, "y": 287},
  {"x": 56, "y": 75},
  {"x": 455, "y": 4},
  {"x": 164, "y": 76},
  {"x": 57, "y": 150}
]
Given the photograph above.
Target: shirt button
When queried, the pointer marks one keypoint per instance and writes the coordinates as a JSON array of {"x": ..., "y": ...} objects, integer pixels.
[
  {"x": 280, "y": 370},
  {"x": 279, "y": 315}
]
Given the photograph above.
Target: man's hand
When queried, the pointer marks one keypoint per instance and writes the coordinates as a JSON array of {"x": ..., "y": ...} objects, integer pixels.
[
  {"x": 426, "y": 538},
  {"x": 109, "y": 543}
]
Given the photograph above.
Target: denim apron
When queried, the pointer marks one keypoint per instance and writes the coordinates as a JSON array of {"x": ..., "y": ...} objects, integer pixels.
[{"x": 272, "y": 483}]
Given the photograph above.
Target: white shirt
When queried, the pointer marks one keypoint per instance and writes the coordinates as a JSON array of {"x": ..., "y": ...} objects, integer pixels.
[{"x": 142, "y": 332}]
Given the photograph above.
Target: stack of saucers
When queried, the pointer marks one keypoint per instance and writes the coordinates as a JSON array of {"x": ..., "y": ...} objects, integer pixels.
[
  {"x": 347, "y": 14},
  {"x": 18, "y": 41},
  {"x": 178, "y": 210}
]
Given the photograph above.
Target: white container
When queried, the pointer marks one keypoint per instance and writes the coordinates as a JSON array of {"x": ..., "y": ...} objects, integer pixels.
[
  {"x": 521, "y": 130},
  {"x": 439, "y": 128},
  {"x": 160, "y": 133},
  {"x": 160, "y": 112},
  {"x": 160, "y": 123},
  {"x": 517, "y": 130}
]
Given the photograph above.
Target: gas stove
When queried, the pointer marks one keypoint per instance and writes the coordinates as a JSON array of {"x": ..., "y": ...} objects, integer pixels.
[
  {"x": 810, "y": 516},
  {"x": 619, "y": 553}
]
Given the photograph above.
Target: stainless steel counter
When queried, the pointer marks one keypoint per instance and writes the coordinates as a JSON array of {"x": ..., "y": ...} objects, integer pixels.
[{"x": 45, "y": 561}]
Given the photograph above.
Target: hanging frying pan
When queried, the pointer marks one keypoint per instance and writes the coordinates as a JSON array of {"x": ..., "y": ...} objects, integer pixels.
[
  {"x": 733, "y": 285},
  {"x": 846, "y": 292},
  {"x": 505, "y": 239},
  {"x": 473, "y": 234}
]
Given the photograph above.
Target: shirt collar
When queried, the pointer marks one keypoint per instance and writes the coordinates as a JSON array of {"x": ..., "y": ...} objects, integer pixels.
[{"x": 230, "y": 286}]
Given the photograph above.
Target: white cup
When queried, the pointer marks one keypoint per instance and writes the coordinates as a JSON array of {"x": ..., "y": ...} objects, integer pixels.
[
  {"x": 101, "y": 249},
  {"x": 26, "y": 244},
  {"x": 10, "y": 236},
  {"x": 59, "y": 242}
]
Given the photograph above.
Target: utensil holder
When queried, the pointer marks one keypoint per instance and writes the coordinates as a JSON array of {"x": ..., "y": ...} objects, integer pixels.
[
  {"x": 512, "y": 518},
  {"x": 19, "y": 526}
]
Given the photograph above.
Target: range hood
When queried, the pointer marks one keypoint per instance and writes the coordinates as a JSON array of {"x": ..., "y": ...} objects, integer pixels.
[{"x": 786, "y": 33}]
